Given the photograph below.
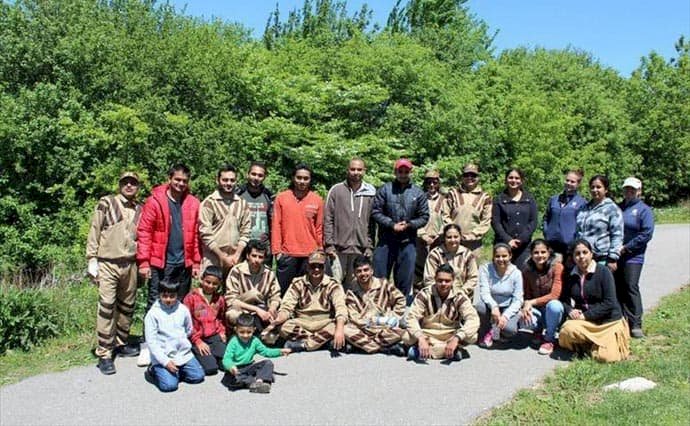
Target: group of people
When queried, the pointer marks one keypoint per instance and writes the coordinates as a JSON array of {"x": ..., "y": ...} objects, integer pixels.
[{"x": 332, "y": 283}]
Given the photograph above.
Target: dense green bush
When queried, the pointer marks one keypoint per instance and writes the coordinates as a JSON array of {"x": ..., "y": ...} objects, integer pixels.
[
  {"x": 26, "y": 318},
  {"x": 89, "y": 88}
]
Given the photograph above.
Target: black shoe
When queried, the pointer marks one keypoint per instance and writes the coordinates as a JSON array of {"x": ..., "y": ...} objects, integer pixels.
[
  {"x": 127, "y": 351},
  {"x": 295, "y": 345},
  {"x": 457, "y": 356},
  {"x": 106, "y": 366},
  {"x": 395, "y": 350},
  {"x": 148, "y": 375}
]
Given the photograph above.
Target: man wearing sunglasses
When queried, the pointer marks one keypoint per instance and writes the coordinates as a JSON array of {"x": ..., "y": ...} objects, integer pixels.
[
  {"x": 469, "y": 207},
  {"x": 111, "y": 250},
  {"x": 313, "y": 310}
]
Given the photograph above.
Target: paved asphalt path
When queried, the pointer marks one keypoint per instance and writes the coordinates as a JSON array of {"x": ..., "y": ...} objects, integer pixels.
[{"x": 351, "y": 389}]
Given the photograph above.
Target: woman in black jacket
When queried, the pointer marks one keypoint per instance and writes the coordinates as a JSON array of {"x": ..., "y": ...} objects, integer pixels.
[
  {"x": 514, "y": 216},
  {"x": 594, "y": 320}
]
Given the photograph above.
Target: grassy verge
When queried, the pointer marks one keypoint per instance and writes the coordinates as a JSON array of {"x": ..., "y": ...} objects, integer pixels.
[
  {"x": 75, "y": 345},
  {"x": 574, "y": 395},
  {"x": 675, "y": 214}
]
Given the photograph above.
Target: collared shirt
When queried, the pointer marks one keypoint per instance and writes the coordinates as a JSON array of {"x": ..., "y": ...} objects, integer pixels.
[
  {"x": 471, "y": 210},
  {"x": 320, "y": 301},
  {"x": 112, "y": 235},
  {"x": 224, "y": 222},
  {"x": 455, "y": 314},
  {"x": 254, "y": 289},
  {"x": 382, "y": 298}
]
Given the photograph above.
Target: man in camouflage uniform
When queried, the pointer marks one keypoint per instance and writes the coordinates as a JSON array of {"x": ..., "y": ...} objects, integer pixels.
[
  {"x": 252, "y": 288},
  {"x": 313, "y": 310},
  {"x": 111, "y": 250},
  {"x": 469, "y": 207},
  {"x": 441, "y": 320},
  {"x": 375, "y": 307},
  {"x": 224, "y": 223}
]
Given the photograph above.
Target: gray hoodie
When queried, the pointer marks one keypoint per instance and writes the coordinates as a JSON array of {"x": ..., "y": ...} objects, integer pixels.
[
  {"x": 166, "y": 331},
  {"x": 348, "y": 226}
]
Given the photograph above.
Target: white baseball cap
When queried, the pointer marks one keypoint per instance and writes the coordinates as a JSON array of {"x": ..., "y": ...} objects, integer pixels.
[{"x": 632, "y": 182}]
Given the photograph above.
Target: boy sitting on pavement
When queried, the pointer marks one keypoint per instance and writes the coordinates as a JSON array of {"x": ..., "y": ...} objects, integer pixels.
[
  {"x": 207, "y": 308},
  {"x": 252, "y": 288},
  {"x": 241, "y": 370},
  {"x": 375, "y": 307},
  {"x": 313, "y": 310},
  {"x": 441, "y": 320},
  {"x": 167, "y": 325}
]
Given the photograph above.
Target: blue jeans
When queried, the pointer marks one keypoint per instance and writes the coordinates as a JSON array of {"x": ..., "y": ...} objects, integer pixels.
[
  {"x": 399, "y": 258},
  {"x": 547, "y": 317},
  {"x": 191, "y": 372}
]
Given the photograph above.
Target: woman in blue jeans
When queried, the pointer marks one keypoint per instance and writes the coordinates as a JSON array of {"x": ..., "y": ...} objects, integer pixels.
[
  {"x": 542, "y": 283},
  {"x": 500, "y": 296}
]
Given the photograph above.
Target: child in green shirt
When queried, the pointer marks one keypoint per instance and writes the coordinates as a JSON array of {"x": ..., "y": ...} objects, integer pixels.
[{"x": 241, "y": 370}]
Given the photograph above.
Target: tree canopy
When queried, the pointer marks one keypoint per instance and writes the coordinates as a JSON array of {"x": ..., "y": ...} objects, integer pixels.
[{"x": 89, "y": 88}]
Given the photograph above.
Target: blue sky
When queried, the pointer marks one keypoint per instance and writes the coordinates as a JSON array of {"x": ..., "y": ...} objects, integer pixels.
[{"x": 616, "y": 32}]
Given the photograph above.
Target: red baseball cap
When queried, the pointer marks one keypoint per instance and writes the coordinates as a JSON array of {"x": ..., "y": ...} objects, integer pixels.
[{"x": 403, "y": 162}]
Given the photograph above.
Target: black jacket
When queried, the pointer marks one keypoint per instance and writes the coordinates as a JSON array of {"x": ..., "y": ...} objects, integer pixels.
[
  {"x": 394, "y": 203},
  {"x": 598, "y": 301},
  {"x": 514, "y": 219}
]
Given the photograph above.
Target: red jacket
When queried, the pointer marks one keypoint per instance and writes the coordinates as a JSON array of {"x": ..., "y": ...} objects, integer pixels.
[
  {"x": 154, "y": 230},
  {"x": 208, "y": 319}
]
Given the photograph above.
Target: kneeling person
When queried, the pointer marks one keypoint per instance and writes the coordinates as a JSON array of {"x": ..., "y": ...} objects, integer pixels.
[
  {"x": 167, "y": 325},
  {"x": 375, "y": 307},
  {"x": 315, "y": 306},
  {"x": 441, "y": 320},
  {"x": 207, "y": 308},
  {"x": 239, "y": 363}
]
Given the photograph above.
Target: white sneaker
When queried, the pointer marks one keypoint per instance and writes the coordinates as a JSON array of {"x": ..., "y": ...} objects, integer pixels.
[{"x": 144, "y": 358}]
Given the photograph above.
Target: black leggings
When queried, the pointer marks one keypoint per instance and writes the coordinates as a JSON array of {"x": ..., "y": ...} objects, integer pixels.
[
  {"x": 213, "y": 362},
  {"x": 627, "y": 278}
]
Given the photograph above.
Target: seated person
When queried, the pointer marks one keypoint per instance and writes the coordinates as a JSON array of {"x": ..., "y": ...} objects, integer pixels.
[
  {"x": 500, "y": 296},
  {"x": 207, "y": 308},
  {"x": 595, "y": 324},
  {"x": 241, "y": 370},
  {"x": 167, "y": 325},
  {"x": 252, "y": 288},
  {"x": 460, "y": 258},
  {"x": 313, "y": 310},
  {"x": 541, "y": 279},
  {"x": 441, "y": 320},
  {"x": 375, "y": 307}
]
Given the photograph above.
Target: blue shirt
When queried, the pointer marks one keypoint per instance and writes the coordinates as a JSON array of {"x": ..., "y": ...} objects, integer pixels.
[
  {"x": 175, "y": 252},
  {"x": 638, "y": 228},
  {"x": 560, "y": 219}
]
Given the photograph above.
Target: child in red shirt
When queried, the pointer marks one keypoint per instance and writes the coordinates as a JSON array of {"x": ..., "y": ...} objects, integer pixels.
[{"x": 207, "y": 307}]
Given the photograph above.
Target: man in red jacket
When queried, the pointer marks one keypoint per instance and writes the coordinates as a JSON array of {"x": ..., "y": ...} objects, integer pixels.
[{"x": 168, "y": 236}]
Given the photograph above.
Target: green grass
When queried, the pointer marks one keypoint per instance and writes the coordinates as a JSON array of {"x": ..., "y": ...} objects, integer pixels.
[
  {"x": 574, "y": 395},
  {"x": 75, "y": 347},
  {"x": 674, "y": 214}
]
